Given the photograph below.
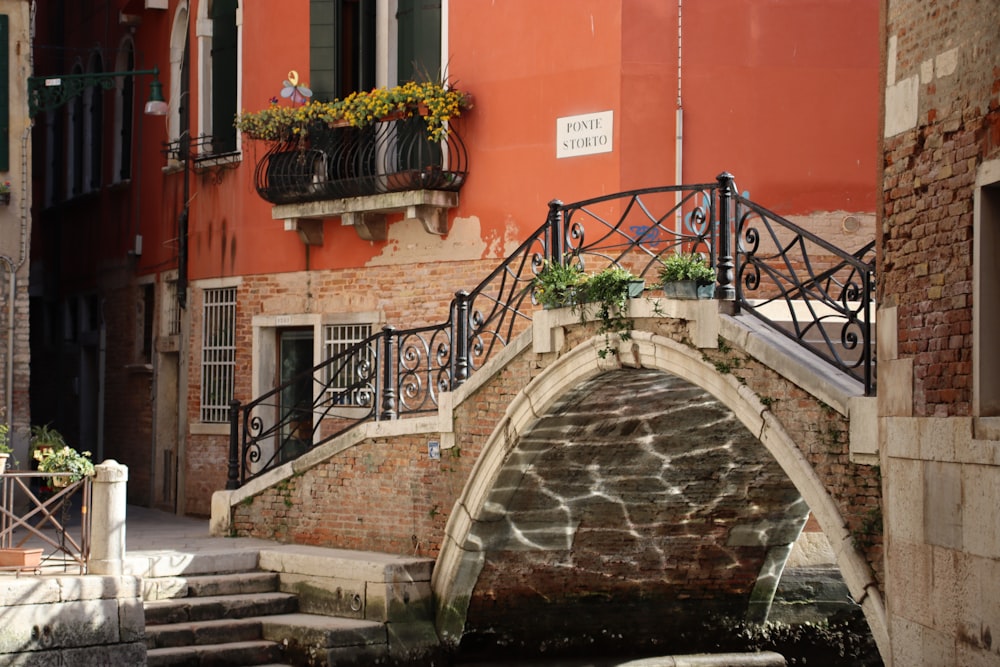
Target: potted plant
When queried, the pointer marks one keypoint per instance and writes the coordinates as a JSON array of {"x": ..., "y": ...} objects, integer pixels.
[
  {"x": 5, "y": 448},
  {"x": 687, "y": 276},
  {"x": 5, "y": 190},
  {"x": 609, "y": 291},
  {"x": 559, "y": 285},
  {"x": 64, "y": 459}
]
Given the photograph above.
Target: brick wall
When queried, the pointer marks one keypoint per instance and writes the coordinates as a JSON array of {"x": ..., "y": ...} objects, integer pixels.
[
  {"x": 950, "y": 59},
  {"x": 128, "y": 412},
  {"x": 414, "y": 295}
]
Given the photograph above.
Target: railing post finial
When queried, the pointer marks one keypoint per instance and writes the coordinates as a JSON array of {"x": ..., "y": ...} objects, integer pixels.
[
  {"x": 556, "y": 232},
  {"x": 388, "y": 375},
  {"x": 233, "y": 476},
  {"x": 460, "y": 342},
  {"x": 724, "y": 234}
]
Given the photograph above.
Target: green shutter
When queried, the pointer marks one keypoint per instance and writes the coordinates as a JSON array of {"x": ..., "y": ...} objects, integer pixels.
[
  {"x": 322, "y": 73},
  {"x": 419, "y": 34},
  {"x": 4, "y": 93},
  {"x": 224, "y": 75}
]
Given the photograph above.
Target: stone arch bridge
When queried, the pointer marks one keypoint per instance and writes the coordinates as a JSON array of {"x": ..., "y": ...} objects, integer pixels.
[{"x": 573, "y": 488}]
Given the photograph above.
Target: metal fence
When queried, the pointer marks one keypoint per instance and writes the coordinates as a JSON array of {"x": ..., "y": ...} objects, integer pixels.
[{"x": 818, "y": 295}]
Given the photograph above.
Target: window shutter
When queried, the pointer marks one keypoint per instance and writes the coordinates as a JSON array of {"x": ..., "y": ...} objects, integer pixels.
[
  {"x": 322, "y": 73},
  {"x": 224, "y": 75}
]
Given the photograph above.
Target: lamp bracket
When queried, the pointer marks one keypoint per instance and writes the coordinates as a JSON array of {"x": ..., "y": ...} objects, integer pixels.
[{"x": 46, "y": 93}]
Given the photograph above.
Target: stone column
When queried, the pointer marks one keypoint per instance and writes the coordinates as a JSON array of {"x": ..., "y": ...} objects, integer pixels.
[{"x": 107, "y": 527}]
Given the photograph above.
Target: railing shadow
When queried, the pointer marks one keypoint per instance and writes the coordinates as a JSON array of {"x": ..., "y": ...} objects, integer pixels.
[{"x": 37, "y": 512}]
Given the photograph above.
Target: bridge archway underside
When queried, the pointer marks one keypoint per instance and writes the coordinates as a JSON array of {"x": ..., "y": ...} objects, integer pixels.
[
  {"x": 638, "y": 492},
  {"x": 779, "y": 449}
]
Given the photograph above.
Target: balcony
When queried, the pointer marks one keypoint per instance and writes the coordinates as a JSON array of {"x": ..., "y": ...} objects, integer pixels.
[{"x": 363, "y": 174}]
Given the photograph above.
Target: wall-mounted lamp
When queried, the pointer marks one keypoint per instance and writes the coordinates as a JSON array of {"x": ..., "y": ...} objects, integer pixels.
[
  {"x": 46, "y": 93},
  {"x": 156, "y": 105}
]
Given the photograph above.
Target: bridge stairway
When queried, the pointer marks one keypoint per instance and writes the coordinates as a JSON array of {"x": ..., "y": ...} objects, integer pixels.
[{"x": 241, "y": 618}]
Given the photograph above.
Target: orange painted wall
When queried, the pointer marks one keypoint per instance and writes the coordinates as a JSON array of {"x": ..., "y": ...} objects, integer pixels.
[{"x": 782, "y": 93}]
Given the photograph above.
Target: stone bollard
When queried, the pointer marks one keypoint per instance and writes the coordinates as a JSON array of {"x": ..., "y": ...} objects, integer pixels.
[{"x": 107, "y": 519}]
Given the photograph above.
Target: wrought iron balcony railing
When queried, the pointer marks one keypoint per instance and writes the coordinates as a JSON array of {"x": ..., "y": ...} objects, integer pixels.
[
  {"x": 813, "y": 292},
  {"x": 392, "y": 155}
]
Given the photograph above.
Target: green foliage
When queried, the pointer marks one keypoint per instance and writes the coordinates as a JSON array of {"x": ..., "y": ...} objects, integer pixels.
[
  {"x": 683, "y": 266},
  {"x": 5, "y": 447},
  {"x": 558, "y": 285},
  {"x": 42, "y": 435},
  {"x": 608, "y": 292},
  {"x": 436, "y": 103},
  {"x": 64, "y": 459}
]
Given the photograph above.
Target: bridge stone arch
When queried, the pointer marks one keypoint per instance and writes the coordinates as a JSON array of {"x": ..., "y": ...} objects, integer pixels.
[{"x": 698, "y": 353}]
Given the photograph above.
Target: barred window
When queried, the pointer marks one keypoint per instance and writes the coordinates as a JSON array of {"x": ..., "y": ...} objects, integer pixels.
[
  {"x": 342, "y": 378},
  {"x": 172, "y": 317},
  {"x": 218, "y": 353}
]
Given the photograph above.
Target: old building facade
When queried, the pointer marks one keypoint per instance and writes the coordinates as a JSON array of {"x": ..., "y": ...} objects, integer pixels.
[{"x": 937, "y": 309}]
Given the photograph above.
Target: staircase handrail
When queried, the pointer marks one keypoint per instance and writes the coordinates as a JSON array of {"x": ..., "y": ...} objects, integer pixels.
[{"x": 403, "y": 372}]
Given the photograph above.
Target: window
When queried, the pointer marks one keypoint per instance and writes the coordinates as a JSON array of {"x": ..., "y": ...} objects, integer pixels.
[
  {"x": 124, "y": 113},
  {"x": 74, "y": 130},
  {"x": 344, "y": 35},
  {"x": 346, "y": 381},
  {"x": 171, "y": 308},
  {"x": 218, "y": 38},
  {"x": 178, "y": 120},
  {"x": 93, "y": 141},
  {"x": 218, "y": 353},
  {"x": 986, "y": 291},
  {"x": 145, "y": 309}
]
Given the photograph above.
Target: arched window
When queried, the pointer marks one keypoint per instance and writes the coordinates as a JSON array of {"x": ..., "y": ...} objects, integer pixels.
[
  {"x": 74, "y": 135},
  {"x": 124, "y": 113},
  {"x": 93, "y": 129},
  {"x": 179, "y": 119}
]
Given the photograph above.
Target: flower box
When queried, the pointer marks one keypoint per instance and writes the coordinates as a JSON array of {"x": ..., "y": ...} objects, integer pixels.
[{"x": 22, "y": 559}]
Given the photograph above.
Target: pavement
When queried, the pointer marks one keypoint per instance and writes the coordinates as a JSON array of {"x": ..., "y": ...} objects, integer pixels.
[{"x": 150, "y": 530}]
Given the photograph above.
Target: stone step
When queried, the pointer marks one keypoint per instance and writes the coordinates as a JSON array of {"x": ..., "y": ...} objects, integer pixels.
[
  {"x": 314, "y": 631},
  {"x": 170, "y": 563},
  {"x": 235, "y": 583},
  {"x": 185, "y": 610},
  {"x": 236, "y": 654},
  {"x": 203, "y": 632}
]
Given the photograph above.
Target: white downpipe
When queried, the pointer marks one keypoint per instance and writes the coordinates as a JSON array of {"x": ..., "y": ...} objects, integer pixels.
[{"x": 679, "y": 122}]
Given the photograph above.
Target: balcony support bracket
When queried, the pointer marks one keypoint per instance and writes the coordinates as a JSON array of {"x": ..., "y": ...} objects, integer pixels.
[
  {"x": 310, "y": 230},
  {"x": 369, "y": 215},
  {"x": 433, "y": 218},
  {"x": 369, "y": 225}
]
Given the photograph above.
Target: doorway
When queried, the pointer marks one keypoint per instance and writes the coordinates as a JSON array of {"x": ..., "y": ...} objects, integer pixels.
[{"x": 294, "y": 363}]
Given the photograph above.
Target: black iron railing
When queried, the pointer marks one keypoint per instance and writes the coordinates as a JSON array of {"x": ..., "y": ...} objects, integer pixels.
[
  {"x": 388, "y": 156},
  {"x": 399, "y": 372},
  {"x": 815, "y": 293}
]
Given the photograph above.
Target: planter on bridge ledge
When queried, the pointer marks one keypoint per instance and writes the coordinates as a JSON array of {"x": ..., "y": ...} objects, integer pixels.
[{"x": 687, "y": 276}]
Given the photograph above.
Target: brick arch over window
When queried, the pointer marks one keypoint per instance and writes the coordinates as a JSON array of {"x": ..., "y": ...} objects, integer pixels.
[{"x": 461, "y": 558}]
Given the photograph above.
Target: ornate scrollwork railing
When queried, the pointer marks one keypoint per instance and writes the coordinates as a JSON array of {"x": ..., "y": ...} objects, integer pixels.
[
  {"x": 399, "y": 372},
  {"x": 391, "y": 155},
  {"x": 818, "y": 295}
]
